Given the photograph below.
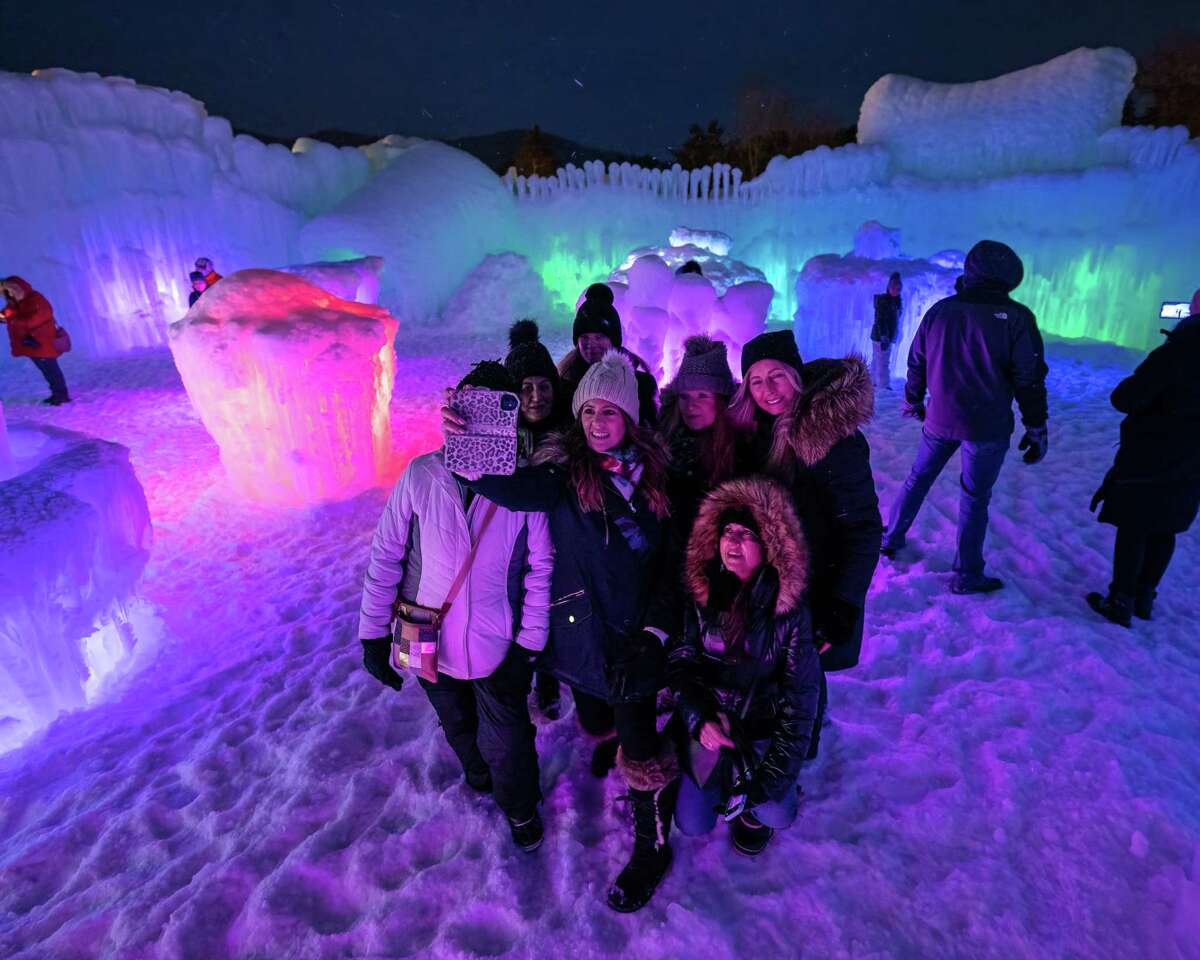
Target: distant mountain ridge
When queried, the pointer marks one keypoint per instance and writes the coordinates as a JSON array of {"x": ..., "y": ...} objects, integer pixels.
[{"x": 496, "y": 150}]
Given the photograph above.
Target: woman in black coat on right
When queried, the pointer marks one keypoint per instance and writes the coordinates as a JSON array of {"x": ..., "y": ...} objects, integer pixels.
[{"x": 1152, "y": 492}]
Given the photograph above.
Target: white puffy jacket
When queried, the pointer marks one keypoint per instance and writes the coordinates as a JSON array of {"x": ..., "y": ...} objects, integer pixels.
[{"x": 420, "y": 544}]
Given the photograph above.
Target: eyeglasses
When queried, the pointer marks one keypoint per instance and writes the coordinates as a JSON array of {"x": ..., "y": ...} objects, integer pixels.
[{"x": 739, "y": 536}]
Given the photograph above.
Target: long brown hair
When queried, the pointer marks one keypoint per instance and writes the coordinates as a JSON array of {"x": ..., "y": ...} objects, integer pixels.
[
  {"x": 717, "y": 444},
  {"x": 587, "y": 475}
]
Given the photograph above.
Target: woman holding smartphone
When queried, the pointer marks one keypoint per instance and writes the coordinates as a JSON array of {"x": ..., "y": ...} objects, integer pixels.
[{"x": 603, "y": 485}]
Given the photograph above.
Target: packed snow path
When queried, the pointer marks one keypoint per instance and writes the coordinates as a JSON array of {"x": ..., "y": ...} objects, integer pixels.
[{"x": 1005, "y": 776}]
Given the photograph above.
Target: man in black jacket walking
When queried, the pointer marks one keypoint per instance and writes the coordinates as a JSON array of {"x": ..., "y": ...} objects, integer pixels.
[
  {"x": 974, "y": 352},
  {"x": 885, "y": 331}
]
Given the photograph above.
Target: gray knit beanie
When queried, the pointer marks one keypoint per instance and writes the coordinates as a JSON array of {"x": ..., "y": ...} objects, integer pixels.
[
  {"x": 705, "y": 366},
  {"x": 612, "y": 379}
]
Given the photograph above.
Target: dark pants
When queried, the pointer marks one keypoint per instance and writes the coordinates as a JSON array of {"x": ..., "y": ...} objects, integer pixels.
[
  {"x": 1139, "y": 561},
  {"x": 635, "y": 723},
  {"x": 981, "y": 462},
  {"x": 54, "y": 376},
  {"x": 486, "y": 723}
]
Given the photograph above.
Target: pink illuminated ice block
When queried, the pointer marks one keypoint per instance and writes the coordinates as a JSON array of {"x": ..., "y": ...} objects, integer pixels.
[{"x": 292, "y": 382}]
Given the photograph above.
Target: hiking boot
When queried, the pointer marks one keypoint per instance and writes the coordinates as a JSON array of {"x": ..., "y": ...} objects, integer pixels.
[
  {"x": 981, "y": 584},
  {"x": 749, "y": 835},
  {"x": 527, "y": 834},
  {"x": 56, "y": 401},
  {"x": 1113, "y": 608},
  {"x": 635, "y": 885}
]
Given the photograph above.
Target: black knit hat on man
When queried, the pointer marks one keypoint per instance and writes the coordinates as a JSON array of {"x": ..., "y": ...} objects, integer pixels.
[
  {"x": 597, "y": 315},
  {"x": 779, "y": 345},
  {"x": 488, "y": 375}
]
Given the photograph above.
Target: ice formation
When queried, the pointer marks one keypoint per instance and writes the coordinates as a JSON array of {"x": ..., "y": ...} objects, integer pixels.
[
  {"x": 5, "y": 447},
  {"x": 111, "y": 190},
  {"x": 292, "y": 383},
  {"x": 356, "y": 280},
  {"x": 1048, "y": 117},
  {"x": 433, "y": 213},
  {"x": 660, "y": 308},
  {"x": 74, "y": 537},
  {"x": 502, "y": 289},
  {"x": 835, "y": 295},
  {"x": 714, "y": 241}
]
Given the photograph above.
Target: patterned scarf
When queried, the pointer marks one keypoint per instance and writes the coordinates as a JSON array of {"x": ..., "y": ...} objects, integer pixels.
[{"x": 625, "y": 468}]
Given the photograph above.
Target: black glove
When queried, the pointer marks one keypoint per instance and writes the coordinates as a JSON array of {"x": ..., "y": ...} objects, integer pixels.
[
  {"x": 914, "y": 410},
  {"x": 639, "y": 666},
  {"x": 376, "y": 658},
  {"x": 1098, "y": 497},
  {"x": 835, "y": 621},
  {"x": 1035, "y": 443},
  {"x": 29, "y": 341},
  {"x": 515, "y": 671}
]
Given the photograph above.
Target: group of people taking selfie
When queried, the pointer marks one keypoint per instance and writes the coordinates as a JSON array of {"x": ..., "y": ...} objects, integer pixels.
[{"x": 691, "y": 566}]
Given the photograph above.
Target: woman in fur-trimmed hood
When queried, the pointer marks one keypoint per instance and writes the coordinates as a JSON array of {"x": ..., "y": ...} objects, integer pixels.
[
  {"x": 801, "y": 424},
  {"x": 745, "y": 668}
]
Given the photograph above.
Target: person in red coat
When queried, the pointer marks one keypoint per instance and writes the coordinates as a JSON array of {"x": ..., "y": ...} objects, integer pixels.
[{"x": 32, "y": 332}]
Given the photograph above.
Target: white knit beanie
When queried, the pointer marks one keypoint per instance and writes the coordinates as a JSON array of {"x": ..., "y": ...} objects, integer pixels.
[{"x": 612, "y": 379}]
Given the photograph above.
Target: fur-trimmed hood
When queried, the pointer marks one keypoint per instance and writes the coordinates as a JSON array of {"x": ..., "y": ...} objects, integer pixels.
[
  {"x": 838, "y": 398},
  {"x": 783, "y": 540}
]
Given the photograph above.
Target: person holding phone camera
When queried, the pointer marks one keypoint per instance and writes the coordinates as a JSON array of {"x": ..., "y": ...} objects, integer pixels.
[
  {"x": 744, "y": 669},
  {"x": 494, "y": 629},
  {"x": 1152, "y": 492},
  {"x": 33, "y": 333},
  {"x": 603, "y": 486}
]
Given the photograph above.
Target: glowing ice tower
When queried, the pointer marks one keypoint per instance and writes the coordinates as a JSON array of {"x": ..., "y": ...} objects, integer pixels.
[{"x": 293, "y": 383}]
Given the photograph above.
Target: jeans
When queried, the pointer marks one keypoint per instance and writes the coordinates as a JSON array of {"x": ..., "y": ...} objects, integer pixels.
[
  {"x": 1139, "y": 562},
  {"x": 981, "y": 462},
  {"x": 880, "y": 366},
  {"x": 696, "y": 807},
  {"x": 487, "y": 725},
  {"x": 54, "y": 376},
  {"x": 635, "y": 723}
]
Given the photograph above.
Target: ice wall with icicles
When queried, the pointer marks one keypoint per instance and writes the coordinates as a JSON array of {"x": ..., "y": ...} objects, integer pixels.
[{"x": 112, "y": 189}]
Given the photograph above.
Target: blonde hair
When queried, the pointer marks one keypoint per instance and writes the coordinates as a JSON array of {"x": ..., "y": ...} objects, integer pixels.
[{"x": 743, "y": 412}]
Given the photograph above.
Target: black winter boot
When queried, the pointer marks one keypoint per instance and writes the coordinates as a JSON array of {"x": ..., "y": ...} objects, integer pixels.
[
  {"x": 653, "y": 788},
  {"x": 1143, "y": 605},
  {"x": 1114, "y": 608},
  {"x": 750, "y": 835}
]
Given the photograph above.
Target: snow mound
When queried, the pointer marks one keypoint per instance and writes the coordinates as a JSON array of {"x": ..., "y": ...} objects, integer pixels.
[
  {"x": 356, "y": 280},
  {"x": 1047, "y": 117},
  {"x": 74, "y": 537},
  {"x": 714, "y": 241},
  {"x": 503, "y": 289},
  {"x": 432, "y": 213},
  {"x": 292, "y": 383}
]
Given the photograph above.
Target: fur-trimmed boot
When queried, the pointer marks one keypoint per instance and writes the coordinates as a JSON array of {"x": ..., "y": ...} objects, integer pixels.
[{"x": 653, "y": 787}]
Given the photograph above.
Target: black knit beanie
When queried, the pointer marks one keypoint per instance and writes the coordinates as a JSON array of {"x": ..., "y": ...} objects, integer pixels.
[
  {"x": 527, "y": 355},
  {"x": 780, "y": 345},
  {"x": 597, "y": 315},
  {"x": 743, "y": 516}
]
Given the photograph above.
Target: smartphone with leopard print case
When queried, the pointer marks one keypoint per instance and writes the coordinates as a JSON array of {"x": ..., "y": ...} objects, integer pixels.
[{"x": 489, "y": 444}]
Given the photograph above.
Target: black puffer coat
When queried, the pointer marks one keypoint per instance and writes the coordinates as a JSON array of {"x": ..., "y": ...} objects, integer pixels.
[
  {"x": 1154, "y": 483},
  {"x": 771, "y": 692},
  {"x": 615, "y": 573},
  {"x": 834, "y": 493}
]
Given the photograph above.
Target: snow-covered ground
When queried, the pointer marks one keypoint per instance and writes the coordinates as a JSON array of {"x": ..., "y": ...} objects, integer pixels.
[{"x": 1004, "y": 776}]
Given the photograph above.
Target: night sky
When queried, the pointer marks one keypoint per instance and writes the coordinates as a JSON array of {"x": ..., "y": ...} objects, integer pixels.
[{"x": 627, "y": 76}]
